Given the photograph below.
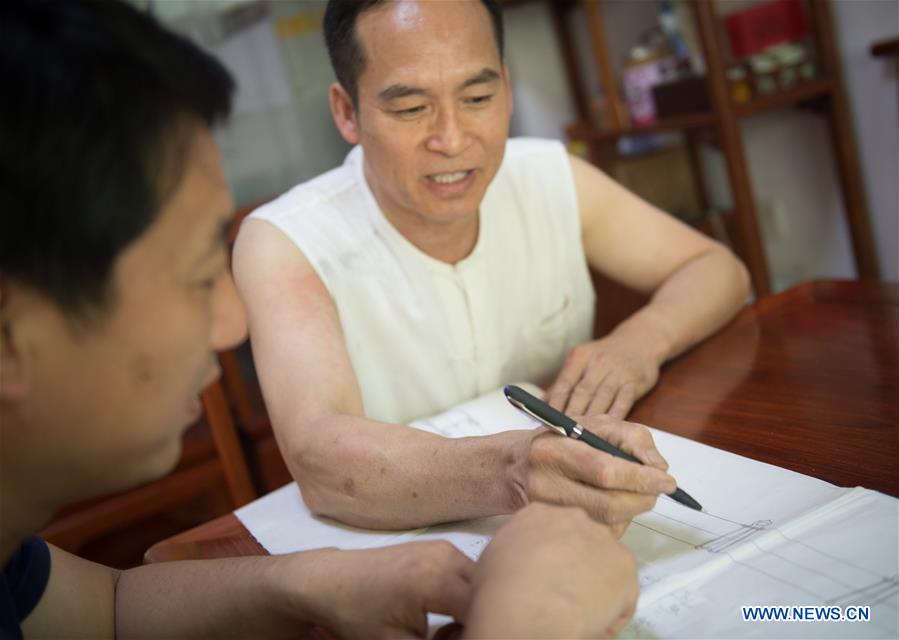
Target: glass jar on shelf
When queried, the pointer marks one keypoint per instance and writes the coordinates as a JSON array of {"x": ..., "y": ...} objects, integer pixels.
[
  {"x": 790, "y": 58},
  {"x": 764, "y": 74},
  {"x": 739, "y": 85}
]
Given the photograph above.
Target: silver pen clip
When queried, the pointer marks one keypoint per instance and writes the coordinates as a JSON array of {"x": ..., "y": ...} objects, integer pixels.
[{"x": 520, "y": 406}]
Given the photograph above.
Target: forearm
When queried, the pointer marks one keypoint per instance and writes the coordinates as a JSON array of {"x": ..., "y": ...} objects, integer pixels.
[
  {"x": 226, "y": 598},
  {"x": 379, "y": 475},
  {"x": 694, "y": 302}
]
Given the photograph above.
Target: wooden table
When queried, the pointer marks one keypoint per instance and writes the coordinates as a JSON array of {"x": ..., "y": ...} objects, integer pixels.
[{"x": 807, "y": 380}]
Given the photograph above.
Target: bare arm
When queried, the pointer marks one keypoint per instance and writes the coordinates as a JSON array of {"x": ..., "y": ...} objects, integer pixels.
[
  {"x": 357, "y": 470},
  {"x": 697, "y": 285},
  {"x": 384, "y": 592},
  {"x": 380, "y": 475},
  {"x": 79, "y": 601}
]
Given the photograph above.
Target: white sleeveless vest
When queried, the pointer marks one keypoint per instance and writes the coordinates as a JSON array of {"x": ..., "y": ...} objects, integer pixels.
[{"x": 424, "y": 335}]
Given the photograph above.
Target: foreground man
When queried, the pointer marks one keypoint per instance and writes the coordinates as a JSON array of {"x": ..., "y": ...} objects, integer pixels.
[
  {"x": 114, "y": 297},
  {"x": 442, "y": 261}
]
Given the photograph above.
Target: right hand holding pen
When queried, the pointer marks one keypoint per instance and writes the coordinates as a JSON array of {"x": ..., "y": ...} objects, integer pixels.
[{"x": 611, "y": 490}]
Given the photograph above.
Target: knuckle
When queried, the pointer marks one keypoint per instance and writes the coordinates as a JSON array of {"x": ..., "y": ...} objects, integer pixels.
[
  {"x": 534, "y": 487},
  {"x": 444, "y": 549},
  {"x": 578, "y": 351},
  {"x": 602, "y": 396},
  {"x": 583, "y": 387},
  {"x": 614, "y": 512},
  {"x": 605, "y": 475},
  {"x": 543, "y": 449},
  {"x": 601, "y": 513},
  {"x": 422, "y": 566},
  {"x": 435, "y": 558}
]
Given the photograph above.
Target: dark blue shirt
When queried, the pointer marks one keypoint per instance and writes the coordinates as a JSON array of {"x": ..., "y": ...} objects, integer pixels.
[{"x": 24, "y": 579}]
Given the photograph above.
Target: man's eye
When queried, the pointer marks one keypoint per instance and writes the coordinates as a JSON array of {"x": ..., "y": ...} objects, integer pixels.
[
  {"x": 209, "y": 282},
  {"x": 411, "y": 111},
  {"x": 478, "y": 100}
]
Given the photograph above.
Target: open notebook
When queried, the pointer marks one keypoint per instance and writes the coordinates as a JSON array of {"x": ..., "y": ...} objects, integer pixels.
[{"x": 768, "y": 536}]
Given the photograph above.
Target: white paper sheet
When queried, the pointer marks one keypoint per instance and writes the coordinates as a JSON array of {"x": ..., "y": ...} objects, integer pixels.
[{"x": 767, "y": 536}]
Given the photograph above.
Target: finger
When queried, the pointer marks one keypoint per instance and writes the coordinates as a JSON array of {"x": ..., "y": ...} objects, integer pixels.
[
  {"x": 619, "y": 624},
  {"x": 598, "y": 469},
  {"x": 633, "y": 438},
  {"x": 625, "y": 616},
  {"x": 602, "y": 398},
  {"x": 447, "y": 588},
  {"x": 619, "y": 528},
  {"x": 450, "y": 631},
  {"x": 450, "y": 596},
  {"x": 603, "y": 505},
  {"x": 559, "y": 391},
  {"x": 624, "y": 400},
  {"x": 585, "y": 390}
]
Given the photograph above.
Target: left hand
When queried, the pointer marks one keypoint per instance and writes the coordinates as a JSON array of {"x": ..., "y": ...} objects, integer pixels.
[{"x": 604, "y": 376}]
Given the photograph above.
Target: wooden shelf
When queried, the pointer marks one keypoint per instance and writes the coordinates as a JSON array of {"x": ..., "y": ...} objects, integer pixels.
[
  {"x": 588, "y": 132},
  {"x": 785, "y": 98},
  {"x": 724, "y": 116}
]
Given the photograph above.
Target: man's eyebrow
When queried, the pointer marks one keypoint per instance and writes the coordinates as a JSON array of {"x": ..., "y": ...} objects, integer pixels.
[
  {"x": 396, "y": 91},
  {"x": 220, "y": 237},
  {"x": 484, "y": 75}
]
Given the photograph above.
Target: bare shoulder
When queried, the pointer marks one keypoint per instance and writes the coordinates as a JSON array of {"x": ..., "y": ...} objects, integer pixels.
[
  {"x": 261, "y": 246},
  {"x": 269, "y": 269}
]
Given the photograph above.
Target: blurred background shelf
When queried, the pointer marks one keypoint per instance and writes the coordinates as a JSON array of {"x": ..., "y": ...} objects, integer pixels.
[
  {"x": 720, "y": 125},
  {"x": 786, "y": 98},
  {"x": 586, "y": 131}
]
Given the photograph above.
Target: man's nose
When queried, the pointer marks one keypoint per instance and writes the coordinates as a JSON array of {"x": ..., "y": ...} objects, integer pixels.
[{"x": 448, "y": 135}]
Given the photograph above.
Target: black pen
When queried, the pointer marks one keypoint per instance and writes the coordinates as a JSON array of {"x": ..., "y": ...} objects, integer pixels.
[{"x": 563, "y": 425}]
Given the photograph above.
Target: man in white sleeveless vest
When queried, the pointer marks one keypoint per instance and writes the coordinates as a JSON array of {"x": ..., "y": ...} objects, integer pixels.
[{"x": 443, "y": 260}]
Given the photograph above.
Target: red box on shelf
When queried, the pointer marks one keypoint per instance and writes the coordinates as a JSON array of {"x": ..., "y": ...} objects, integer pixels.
[{"x": 765, "y": 25}]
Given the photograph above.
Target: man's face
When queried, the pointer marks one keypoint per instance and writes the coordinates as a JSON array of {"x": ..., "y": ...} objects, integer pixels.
[
  {"x": 114, "y": 397},
  {"x": 433, "y": 107}
]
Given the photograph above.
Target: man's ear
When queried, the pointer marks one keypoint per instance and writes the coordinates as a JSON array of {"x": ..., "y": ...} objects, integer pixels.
[
  {"x": 344, "y": 113},
  {"x": 14, "y": 378}
]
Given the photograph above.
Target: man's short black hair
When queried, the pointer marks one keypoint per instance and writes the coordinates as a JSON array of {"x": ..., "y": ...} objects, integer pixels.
[
  {"x": 345, "y": 52},
  {"x": 100, "y": 103}
]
